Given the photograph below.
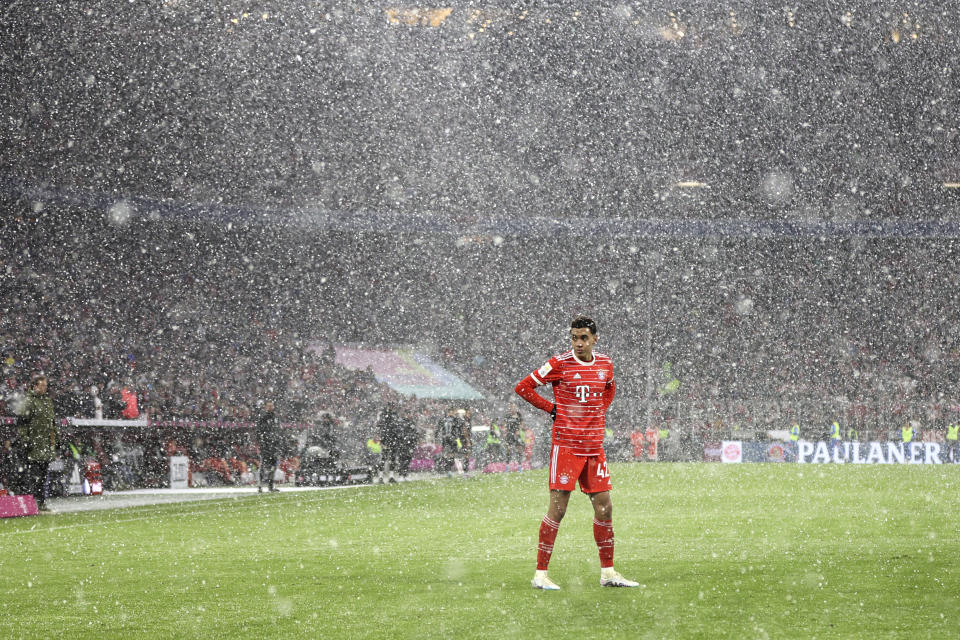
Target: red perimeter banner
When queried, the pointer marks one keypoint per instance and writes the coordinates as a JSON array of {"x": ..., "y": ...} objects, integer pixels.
[{"x": 13, "y": 506}]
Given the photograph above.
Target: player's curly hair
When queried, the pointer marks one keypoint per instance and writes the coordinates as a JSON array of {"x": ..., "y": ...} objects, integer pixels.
[{"x": 583, "y": 322}]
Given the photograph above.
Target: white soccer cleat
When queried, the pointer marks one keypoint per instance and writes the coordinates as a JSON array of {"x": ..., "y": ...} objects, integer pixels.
[
  {"x": 610, "y": 578},
  {"x": 541, "y": 581}
]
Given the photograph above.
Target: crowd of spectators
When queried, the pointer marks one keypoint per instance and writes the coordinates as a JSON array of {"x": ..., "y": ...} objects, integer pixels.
[
  {"x": 834, "y": 111},
  {"x": 202, "y": 332},
  {"x": 203, "y": 321}
]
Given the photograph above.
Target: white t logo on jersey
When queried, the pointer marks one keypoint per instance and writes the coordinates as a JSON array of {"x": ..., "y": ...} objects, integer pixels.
[{"x": 582, "y": 392}]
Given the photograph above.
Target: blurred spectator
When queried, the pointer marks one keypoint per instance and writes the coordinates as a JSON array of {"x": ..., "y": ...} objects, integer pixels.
[
  {"x": 515, "y": 434},
  {"x": 390, "y": 428},
  {"x": 9, "y": 468},
  {"x": 452, "y": 431},
  {"x": 97, "y": 402},
  {"x": 128, "y": 399},
  {"x": 409, "y": 441},
  {"x": 373, "y": 458}
]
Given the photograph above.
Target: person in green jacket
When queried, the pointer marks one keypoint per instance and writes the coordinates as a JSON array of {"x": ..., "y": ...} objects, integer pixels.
[
  {"x": 38, "y": 437},
  {"x": 953, "y": 432}
]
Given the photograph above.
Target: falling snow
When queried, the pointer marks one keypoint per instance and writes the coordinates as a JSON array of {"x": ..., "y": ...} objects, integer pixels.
[{"x": 202, "y": 200}]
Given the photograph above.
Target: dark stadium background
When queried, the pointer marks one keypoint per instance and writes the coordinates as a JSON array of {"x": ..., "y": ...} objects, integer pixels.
[{"x": 764, "y": 198}]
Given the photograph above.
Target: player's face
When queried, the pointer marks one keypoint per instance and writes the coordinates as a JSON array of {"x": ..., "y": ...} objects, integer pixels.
[{"x": 583, "y": 341}]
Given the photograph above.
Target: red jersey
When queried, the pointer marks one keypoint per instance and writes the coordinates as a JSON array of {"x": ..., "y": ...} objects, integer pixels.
[{"x": 582, "y": 393}]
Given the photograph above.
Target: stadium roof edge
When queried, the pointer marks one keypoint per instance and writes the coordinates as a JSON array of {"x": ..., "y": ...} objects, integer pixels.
[{"x": 392, "y": 222}]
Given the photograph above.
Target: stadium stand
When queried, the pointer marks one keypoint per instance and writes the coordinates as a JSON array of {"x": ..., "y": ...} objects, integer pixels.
[{"x": 756, "y": 208}]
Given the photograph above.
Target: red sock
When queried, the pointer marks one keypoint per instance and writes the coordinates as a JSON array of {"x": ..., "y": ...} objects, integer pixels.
[
  {"x": 603, "y": 534},
  {"x": 548, "y": 534}
]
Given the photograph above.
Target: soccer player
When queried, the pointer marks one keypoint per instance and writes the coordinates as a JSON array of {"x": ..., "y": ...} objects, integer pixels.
[{"x": 583, "y": 388}]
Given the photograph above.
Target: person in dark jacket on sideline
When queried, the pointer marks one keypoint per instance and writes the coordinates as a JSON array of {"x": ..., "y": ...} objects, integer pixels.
[
  {"x": 409, "y": 439},
  {"x": 400, "y": 437},
  {"x": 270, "y": 442},
  {"x": 38, "y": 437},
  {"x": 390, "y": 430}
]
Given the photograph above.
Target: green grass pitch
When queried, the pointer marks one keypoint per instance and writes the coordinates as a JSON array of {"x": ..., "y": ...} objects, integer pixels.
[{"x": 721, "y": 551}]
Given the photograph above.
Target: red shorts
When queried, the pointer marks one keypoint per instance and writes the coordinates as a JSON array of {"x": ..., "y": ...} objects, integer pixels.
[{"x": 567, "y": 469}]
